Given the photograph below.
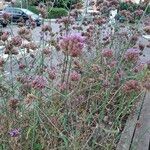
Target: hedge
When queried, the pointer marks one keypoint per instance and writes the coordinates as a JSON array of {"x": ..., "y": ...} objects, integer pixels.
[
  {"x": 57, "y": 12},
  {"x": 57, "y": 3},
  {"x": 52, "y": 12},
  {"x": 65, "y": 3},
  {"x": 133, "y": 6}
]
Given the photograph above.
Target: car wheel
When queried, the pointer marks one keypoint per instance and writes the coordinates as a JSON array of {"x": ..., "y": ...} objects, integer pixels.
[{"x": 4, "y": 25}]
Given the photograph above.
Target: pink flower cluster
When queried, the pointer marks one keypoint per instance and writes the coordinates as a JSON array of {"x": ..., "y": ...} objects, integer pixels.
[
  {"x": 139, "y": 67},
  {"x": 46, "y": 28},
  {"x": 131, "y": 85},
  {"x": 39, "y": 82},
  {"x": 6, "y": 16},
  {"x": 25, "y": 80},
  {"x": 16, "y": 41},
  {"x": 22, "y": 66},
  {"x": 112, "y": 64},
  {"x": 107, "y": 53},
  {"x": 52, "y": 74},
  {"x": 138, "y": 12},
  {"x": 66, "y": 20},
  {"x": 5, "y": 36},
  {"x": 147, "y": 85},
  {"x": 72, "y": 45},
  {"x": 132, "y": 54},
  {"x": 74, "y": 76},
  {"x": 1, "y": 62},
  {"x": 62, "y": 86}
]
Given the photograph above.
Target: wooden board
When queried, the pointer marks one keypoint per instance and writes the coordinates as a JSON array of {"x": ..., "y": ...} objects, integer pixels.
[
  {"x": 128, "y": 132},
  {"x": 141, "y": 137}
]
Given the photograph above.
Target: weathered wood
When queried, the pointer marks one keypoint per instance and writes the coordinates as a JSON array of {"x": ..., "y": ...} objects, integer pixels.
[
  {"x": 142, "y": 133},
  {"x": 128, "y": 132}
]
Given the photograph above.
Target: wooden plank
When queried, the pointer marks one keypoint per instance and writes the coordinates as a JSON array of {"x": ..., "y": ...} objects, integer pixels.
[
  {"x": 128, "y": 132},
  {"x": 142, "y": 133}
]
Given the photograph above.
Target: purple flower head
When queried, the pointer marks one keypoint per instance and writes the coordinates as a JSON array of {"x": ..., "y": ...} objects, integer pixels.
[
  {"x": 62, "y": 86},
  {"x": 132, "y": 54},
  {"x": 14, "y": 132},
  {"x": 39, "y": 82},
  {"x": 6, "y": 16},
  {"x": 74, "y": 76},
  {"x": 139, "y": 67},
  {"x": 107, "y": 53},
  {"x": 16, "y": 41},
  {"x": 72, "y": 44},
  {"x": 131, "y": 85},
  {"x": 52, "y": 73}
]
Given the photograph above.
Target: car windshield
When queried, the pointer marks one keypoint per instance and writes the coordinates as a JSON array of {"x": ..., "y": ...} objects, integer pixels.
[{"x": 29, "y": 13}]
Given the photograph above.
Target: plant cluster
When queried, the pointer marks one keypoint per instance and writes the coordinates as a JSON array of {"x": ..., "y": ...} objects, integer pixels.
[
  {"x": 72, "y": 90},
  {"x": 131, "y": 11},
  {"x": 57, "y": 3}
]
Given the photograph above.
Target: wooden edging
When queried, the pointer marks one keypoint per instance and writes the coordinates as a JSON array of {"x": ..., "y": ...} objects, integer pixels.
[
  {"x": 136, "y": 134},
  {"x": 141, "y": 137}
]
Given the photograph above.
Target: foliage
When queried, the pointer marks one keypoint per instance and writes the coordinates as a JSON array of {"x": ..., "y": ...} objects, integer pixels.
[
  {"x": 57, "y": 12},
  {"x": 52, "y": 12},
  {"x": 128, "y": 6},
  {"x": 65, "y": 3},
  {"x": 33, "y": 9},
  {"x": 133, "y": 6},
  {"x": 74, "y": 89},
  {"x": 131, "y": 12},
  {"x": 57, "y": 3}
]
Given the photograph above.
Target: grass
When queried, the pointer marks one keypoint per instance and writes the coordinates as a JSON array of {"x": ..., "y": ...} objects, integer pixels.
[{"x": 74, "y": 91}]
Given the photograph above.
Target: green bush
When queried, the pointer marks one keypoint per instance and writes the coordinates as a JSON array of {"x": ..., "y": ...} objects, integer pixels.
[
  {"x": 52, "y": 12},
  {"x": 133, "y": 6},
  {"x": 148, "y": 10},
  {"x": 65, "y": 3},
  {"x": 33, "y": 9},
  {"x": 57, "y": 12},
  {"x": 126, "y": 6},
  {"x": 57, "y": 3}
]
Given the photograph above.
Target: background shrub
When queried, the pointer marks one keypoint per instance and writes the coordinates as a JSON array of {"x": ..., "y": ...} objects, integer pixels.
[
  {"x": 128, "y": 6},
  {"x": 65, "y": 3},
  {"x": 57, "y": 3},
  {"x": 133, "y": 6},
  {"x": 33, "y": 9},
  {"x": 57, "y": 12},
  {"x": 52, "y": 13}
]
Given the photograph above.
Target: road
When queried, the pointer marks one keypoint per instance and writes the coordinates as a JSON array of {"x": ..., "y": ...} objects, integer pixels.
[
  {"x": 55, "y": 28},
  {"x": 36, "y": 38},
  {"x": 35, "y": 32}
]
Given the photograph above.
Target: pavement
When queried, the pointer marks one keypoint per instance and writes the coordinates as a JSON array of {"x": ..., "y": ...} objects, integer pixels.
[
  {"x": 55, "y": 27},
  {"x": 35, "y": 32},
  {"x": 146, "y": 52}
]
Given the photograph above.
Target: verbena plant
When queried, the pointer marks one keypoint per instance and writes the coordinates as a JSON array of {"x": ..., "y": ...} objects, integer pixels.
[{"x": 72, "y": 90}]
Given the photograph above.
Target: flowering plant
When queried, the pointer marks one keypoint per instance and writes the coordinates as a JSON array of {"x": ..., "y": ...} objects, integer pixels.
[{"x": 75, "y": 88}]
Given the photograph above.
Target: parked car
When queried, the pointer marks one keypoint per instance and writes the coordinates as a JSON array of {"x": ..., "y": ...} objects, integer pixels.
[
  {"x": 2, "y": 22},
  {"x": 25, "y": 14}
]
